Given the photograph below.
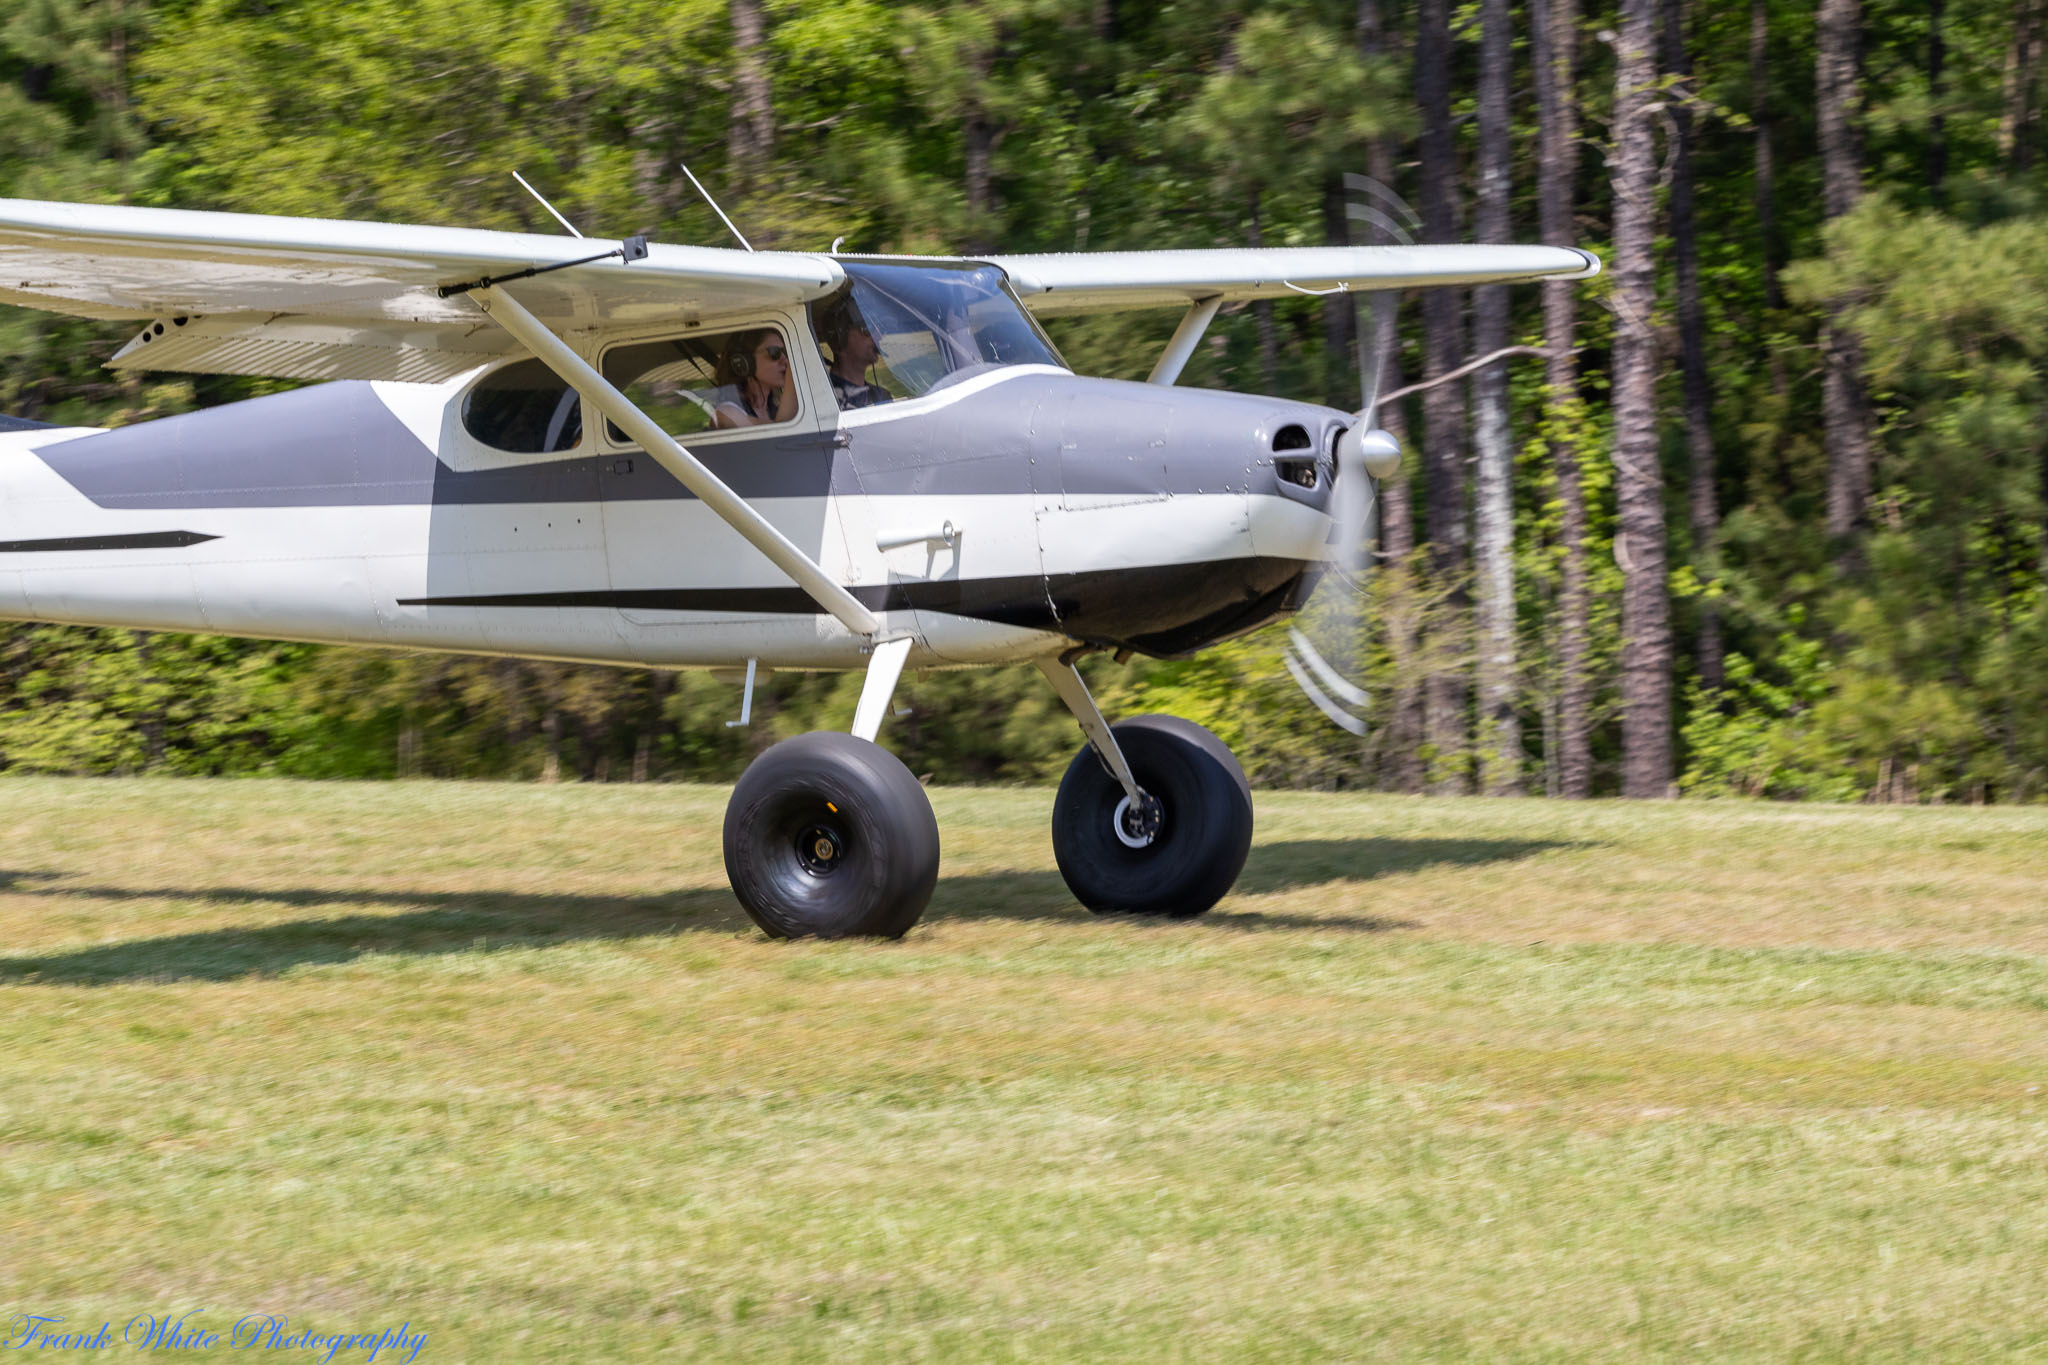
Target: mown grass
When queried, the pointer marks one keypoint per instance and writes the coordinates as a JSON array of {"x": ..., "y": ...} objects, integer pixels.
[{"x": 1444, "y": 1080}]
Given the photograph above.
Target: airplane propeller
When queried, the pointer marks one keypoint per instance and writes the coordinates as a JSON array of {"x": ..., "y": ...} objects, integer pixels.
[{"x": 1365, "y": 454}]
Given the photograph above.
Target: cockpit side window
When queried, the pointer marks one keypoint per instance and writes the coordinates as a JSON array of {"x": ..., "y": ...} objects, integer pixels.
[
  {"x": 935, "y": 325},
  {"x": 704, "y": 382},
  {"x": 524, "y": 408}
]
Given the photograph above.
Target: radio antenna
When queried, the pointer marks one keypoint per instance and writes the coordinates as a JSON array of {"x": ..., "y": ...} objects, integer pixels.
[
  {"x": 545, "y": 204},
  {"x": 714, "y": 206}
]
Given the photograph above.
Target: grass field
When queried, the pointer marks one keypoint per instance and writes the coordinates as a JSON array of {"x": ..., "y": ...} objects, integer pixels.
[{"x": 1443, "y": 1080}]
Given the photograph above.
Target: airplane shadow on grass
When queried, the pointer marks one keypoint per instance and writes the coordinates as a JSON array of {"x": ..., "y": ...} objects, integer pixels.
[{"x": 495, "y": 921}]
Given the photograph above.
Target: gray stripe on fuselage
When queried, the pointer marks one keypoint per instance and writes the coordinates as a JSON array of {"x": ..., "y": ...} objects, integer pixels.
[
  {"x": 331, "y": 445},
  {"x": 338, "y": 445}
]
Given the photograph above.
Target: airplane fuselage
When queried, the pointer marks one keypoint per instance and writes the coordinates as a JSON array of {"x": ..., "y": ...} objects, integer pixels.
[{"x": 1003, "y": 517}]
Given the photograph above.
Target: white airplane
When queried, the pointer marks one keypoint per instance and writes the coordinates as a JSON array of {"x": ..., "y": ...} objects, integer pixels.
[{"x": 887, "y": 465}]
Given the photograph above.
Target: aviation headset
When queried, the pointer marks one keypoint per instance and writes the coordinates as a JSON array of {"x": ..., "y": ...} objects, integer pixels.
[
  {"x": 739, "y": 353},
  {"x": 839, "y": 317}
]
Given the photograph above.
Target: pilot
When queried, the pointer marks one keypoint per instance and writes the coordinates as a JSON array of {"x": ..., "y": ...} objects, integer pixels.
[
  {"x": 842, "y": 327},
  {"x": 755, "y": 383}
]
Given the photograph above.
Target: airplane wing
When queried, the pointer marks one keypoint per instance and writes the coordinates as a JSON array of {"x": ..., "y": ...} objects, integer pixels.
[
  {"x": 308, "y": 298},
  {"x": 1111, "y": 281}
]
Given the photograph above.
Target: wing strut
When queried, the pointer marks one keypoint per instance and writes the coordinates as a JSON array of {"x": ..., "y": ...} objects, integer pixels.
[
  {"x": 1186, "y": 337},
  {"x": 689, "y": 471}
]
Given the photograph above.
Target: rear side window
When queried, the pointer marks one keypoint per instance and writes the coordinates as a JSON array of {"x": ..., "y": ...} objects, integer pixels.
[{"x": 524, "y": 408}]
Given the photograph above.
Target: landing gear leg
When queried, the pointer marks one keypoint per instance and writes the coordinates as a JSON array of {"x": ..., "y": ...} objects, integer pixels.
[
  {"x": 1066, "y": 680},
  {"x": 1154, "y": 817},
  {"x": 828, "y": 835}
]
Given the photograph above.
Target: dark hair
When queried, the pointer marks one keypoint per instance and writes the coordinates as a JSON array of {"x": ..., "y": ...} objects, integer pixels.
[{"x": 736, "y": 364}]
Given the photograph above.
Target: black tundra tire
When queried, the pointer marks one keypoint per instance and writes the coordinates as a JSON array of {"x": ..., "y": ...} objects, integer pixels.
[
  {"x": 1204, "y": 833},
  {"x": 828, "y": 836}
]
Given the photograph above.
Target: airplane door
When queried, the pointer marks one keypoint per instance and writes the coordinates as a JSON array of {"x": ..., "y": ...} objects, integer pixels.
[{"x": 688, "y": 588}]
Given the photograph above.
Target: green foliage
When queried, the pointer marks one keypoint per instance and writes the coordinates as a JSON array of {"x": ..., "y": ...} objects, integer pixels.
[
  {"x": 422, "y": 114},
  {"x": 1763, "y": 738},
  {"x": 1077, "y": 124},
  {"x": 1938, "y": 687},
  {"x": 1295, "y": 100},
  {"x": 84, "y": 701}
]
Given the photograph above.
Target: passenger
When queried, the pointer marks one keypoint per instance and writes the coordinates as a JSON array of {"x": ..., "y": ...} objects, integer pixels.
[
  {"x": 756, "y": 385},
  {"x": 853, "y": 351}
]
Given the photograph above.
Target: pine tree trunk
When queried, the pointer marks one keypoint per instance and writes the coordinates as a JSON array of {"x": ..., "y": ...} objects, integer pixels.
[
  {"x": 1269, "y": 336},
  {"x": 1447, "y": 694},
  {"x": 1639, "y": 485},
  {"x": 1402, "y": 770},
  {"x": 1937, "y": 99},
  {"x": 1340, "y": 388},
  {"x": 155, "y": 734},
  {"x": 2044, "y": 517},
  {"x": 1500, "y": 725},
  {"x": 980, "y": 136},
  {"x": 1845, "y": 406},
  {"x": 116, "y": 93},
  {"x": 551, "y": 727},
  {"x": 1766, "y": 167},
  {"x": 750, "y": 133},
  {"x": 409, "y": 748},
  {"x": 1837, "y": 100},
  {"x": 1703, "y": 501},
  {"x": 2022, "y": 56},
  {"x": 1554, "y": 50}
]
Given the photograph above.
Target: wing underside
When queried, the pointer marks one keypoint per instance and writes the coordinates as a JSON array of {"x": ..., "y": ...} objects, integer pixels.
[
  {"x": 311, "y": 298},
  {"x": 291, "y": 347}
]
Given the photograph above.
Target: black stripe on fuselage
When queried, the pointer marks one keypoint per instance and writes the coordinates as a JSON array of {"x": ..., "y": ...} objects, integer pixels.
[
  {"x": 1166, "y": 609},
  {"x": 1012, "y": 601},
  {"x": 141, "y": 540}
]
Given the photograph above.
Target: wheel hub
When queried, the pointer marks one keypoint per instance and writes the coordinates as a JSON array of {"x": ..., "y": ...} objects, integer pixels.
[
  {"x": 1137, "y": 825},
  {"x": 820, "y": 849}
]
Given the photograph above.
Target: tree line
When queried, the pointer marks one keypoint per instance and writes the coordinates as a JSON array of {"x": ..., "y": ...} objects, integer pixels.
[{"x": 1763, "y": 511}]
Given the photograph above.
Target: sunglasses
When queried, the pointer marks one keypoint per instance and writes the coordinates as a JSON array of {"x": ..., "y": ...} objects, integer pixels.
[{"x": 776, "y": 353}]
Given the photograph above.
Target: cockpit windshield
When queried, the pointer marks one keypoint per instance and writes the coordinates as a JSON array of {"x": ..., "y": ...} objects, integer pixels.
[{"x": 930, "y": 325}]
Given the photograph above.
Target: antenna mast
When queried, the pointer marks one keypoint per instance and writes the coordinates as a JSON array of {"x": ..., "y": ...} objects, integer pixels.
[
  {"x": 545, "y": 204},
  {"x": 714, "y": 206}
]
